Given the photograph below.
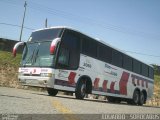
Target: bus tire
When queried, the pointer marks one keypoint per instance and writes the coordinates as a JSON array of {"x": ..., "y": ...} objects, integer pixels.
[
  {"x": 136, "y": 97},
  {"x": 52, "y": 91},
  {"x": 81, "y": 90},
  {"x": 141, "y": 99}
]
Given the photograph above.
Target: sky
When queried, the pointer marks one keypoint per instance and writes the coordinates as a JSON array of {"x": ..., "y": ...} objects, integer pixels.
[{"x": 132, "y": 26}]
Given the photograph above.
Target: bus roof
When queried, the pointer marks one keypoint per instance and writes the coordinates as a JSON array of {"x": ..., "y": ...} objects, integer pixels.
[{"x": 97, "y": 39}]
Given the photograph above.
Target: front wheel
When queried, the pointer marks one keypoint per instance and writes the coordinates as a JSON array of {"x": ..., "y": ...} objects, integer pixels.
[
  {"x": 52, "y": 91},
  {"x": 81, "y": 90}
]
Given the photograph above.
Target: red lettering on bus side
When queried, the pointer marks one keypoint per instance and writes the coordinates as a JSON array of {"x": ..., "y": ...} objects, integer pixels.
[
  {"x": 71, "y": 78},
  {"x": 123, "y": 83}
]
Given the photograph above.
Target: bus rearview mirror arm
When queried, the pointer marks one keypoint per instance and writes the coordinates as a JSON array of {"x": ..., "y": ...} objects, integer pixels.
[
  {"x": 53, "y": 45},
  {"x": 14, "y": 52}
]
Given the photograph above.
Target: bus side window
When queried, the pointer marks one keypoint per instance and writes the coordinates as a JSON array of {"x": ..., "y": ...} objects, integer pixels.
[
  {"x": 63, "y": 57},
  {"x": 117, "y": 58},
  {"x": 144, "y": 70},
  {"x": 69, "y": 53},
  {"x": 89, "y": 47},
  {"x": 136, "y": 66},
  {"x": 127, "y": 62},
  {"x": 151, "y": 73}
]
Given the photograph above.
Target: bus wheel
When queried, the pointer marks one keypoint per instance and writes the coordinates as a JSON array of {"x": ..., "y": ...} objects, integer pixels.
[
  {"x": 81, "y": 90},
  {"x": 136, "y": 97},
  {"x": 141, "y": 99},
  {"x": 52, "y": 91}
]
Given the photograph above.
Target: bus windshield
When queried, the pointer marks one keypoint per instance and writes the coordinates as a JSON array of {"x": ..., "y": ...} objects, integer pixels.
[
  {"x": 37, "y": 50},
  {"x": 38, "y": 55}
]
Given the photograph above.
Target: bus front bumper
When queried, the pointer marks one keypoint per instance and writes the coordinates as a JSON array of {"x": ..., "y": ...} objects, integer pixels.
[{"x": 37, "y": 81}]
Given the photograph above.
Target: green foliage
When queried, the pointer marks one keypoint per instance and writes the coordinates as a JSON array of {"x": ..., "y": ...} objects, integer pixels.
[
  {"x": 7, "y": 59},
  {"x": 156, "y": 70},
  {"x": 157, "y": 80}
]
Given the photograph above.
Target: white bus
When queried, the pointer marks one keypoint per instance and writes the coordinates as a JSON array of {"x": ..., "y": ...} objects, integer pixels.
[{"x": 64, "y": 59}]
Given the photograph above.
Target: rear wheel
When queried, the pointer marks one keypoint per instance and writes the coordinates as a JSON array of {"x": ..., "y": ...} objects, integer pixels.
[
  {"x": 52, "y": 91},
  {"x": 136, "y": 97},
  {"x": 81, "y": 90},
  {"x": 141, "y": 99}
]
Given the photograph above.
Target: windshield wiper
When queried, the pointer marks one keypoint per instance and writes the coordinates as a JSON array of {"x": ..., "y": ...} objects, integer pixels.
[
  {"x": 30, "y": 58},
  {"x": 35, "y": 57}
]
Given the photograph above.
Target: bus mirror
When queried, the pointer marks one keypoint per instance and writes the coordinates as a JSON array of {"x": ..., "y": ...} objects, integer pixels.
[
  {"x": 14, "y": 52},
  {"x": 53, "y": 45}
]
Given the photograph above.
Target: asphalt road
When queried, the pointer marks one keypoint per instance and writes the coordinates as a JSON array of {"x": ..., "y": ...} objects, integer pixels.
[{"x": 19, "y": 101}]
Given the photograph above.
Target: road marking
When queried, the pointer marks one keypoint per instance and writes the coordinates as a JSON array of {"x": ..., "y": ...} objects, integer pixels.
[
  {"x": 67, "y": 113},
  {"x": 60, "y": 107}
]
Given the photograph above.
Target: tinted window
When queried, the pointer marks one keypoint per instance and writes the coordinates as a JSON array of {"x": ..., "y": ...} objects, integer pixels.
[
  {"x": 37, "y": 54},
  {"x": 116, "y": 58},
  {"x": 127, "y": 62},
  {"x": 47, "y": 34},
  {"x": 151, "y": 73},
  {"x": 105, "y": 53},
  {"x": 69, "y": 51},
  {"x": 136, "y": 66},
  {"x": 89, "y": 47},
  {"x": 145, "y": 70}
]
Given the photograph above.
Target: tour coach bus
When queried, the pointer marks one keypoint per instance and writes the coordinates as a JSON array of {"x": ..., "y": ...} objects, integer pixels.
[{"x": 64, "y": 59}]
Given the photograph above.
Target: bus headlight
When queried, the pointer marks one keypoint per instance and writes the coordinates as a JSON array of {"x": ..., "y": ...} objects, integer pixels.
[{"x": 46, "y": 74}]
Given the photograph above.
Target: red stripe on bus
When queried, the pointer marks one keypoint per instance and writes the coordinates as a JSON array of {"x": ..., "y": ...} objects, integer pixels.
[
  {"x": 71, "y": 78},
  {"x": 96, "y": 83},
  {"x": 123, "y": 83},
  {"x": 105, "y": 85},
  {"x": 112, "y": 87}
]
